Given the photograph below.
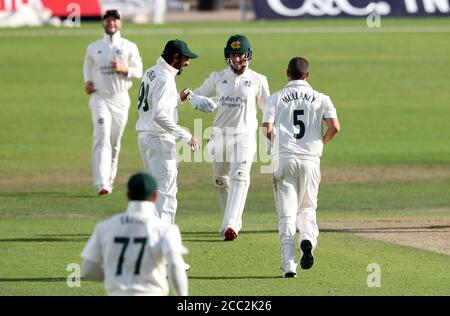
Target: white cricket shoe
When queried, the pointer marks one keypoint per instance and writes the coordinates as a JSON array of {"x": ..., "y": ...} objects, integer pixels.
[{"x": 289, "y": 269}]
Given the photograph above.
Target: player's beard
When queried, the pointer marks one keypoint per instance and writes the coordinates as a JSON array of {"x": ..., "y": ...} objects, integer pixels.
[
  {"x": 112, "y": 29},
  {"x": 180, "y": 66},
  {"x": 239, "y": 68},
  {"x": 111, "y": 32}
]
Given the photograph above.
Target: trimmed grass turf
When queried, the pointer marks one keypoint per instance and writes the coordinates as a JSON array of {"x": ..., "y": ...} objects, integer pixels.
[
  {"x": 35, "y": 263},
  {"x": 41, "y": 232},
  {"x": 390, "y": 111}
]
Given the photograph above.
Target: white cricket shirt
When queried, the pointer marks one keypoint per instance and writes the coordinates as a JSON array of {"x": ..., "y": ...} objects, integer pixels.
[
  {"x": 97, "y": 64},
  {"x": 132, "y": 247},
  {"x": 297, "y": 113},
  {"x": 158, "y": 101},
  {"x": 238, "y": 97}
]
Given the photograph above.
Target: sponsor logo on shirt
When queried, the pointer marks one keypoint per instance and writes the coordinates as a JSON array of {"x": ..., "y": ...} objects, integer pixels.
[
  {"x": 233, "y": 102},
  {"x": 107, "y": 70}
]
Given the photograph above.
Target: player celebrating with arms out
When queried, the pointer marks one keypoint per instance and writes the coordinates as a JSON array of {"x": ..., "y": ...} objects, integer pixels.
[
  {"x": 238, "y": 91},
  {"x": 293, "y": 120}
]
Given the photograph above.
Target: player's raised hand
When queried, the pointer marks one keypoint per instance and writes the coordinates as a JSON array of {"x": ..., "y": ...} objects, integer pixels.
[
  {"x": 89, "y": 87},
  {"x": 193, "y": 142},
  {"x": 117, "y": 66},
  {"x": 185, "y": 94}
]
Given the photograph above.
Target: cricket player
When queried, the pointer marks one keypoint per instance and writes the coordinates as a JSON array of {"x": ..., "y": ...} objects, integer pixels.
[
  {"x": 293, "y": 120},
  {"x": 157, "y": 123},
  {"x": 109, "y": 65},
  {"x": 237, "y": 91},
  {"x": 134, "y": 251}
]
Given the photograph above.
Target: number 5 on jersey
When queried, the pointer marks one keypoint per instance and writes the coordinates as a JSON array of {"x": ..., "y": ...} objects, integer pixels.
[{"x": 299, "y": 122}]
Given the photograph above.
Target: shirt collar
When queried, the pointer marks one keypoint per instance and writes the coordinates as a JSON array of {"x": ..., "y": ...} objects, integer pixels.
[
  {"x": 140, "y": 207},
  {"x": 303, "y": 83},
  {"x": 166, "y": 66},
  {"x": 112, "y": 39}
]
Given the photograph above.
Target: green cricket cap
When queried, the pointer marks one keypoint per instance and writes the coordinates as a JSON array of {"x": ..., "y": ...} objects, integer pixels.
[
  {"x": 141, "y": 186},
  {"x": 238, "y": 44},
  {"x": 177, "y": 46}
]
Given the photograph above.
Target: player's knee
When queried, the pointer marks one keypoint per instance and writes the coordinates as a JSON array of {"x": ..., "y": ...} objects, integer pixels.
[
  {"x": 241, "y": 175},
  {"x": 100, "y": 142},
  {"x": 307, "y": 208},
  {"x": 101, "y": 137},
  {"x": 167, "y": 217},
  {"x": 221, "y": 182},
  {"x": 286, "y": 220}
]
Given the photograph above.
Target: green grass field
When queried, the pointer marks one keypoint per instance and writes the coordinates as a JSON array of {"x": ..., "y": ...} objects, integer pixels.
[{"x": 390, "y": 87}]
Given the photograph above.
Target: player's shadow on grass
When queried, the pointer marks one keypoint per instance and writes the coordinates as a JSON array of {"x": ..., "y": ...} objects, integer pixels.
[
  {"x": 266, "y": 231},
  {"x": 200, "y": 234},
  {"x": 234, "y": 277},
  {"x": 50, "y": 238},
  {"x": 387, "y": 230},
  {"x": 190, "y": 236},
  {"x": 87, "y": 235},
  {"x": 13, "y": 280},
  {"x": 45, "y": 239},
  {"x": 216, "y": 233},
  {"x": 46, "y": 194},
  {"x": 202, "y": 240},
  {"x": 32, "y": 280}
]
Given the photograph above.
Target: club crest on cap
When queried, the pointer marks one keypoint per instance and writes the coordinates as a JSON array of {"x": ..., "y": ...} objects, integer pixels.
[{"x": 236, "y": 45}]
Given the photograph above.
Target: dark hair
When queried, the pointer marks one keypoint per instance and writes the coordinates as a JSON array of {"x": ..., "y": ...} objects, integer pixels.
[
  {"x": 141, "y": 187},
  {"x": 114, "y": 13},
  {"x": 298, "y": 67},
  {"x": 177, "y": 49},
  {"x": 169, "y": 56}
]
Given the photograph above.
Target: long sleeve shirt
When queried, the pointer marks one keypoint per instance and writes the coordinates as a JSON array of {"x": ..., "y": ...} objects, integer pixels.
[
  {"x": 238, "y": 98},
  {"x": 97, "y": 64},
  {"x": 158, "y": 101}
]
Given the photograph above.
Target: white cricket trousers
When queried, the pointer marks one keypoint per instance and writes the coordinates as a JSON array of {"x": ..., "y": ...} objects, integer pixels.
[
  {"x": 160, "y": 160},
  {"x": 232, "y": 161},
  {"x": 296, "y": 185},
  {"x": 109, "y": 118}
]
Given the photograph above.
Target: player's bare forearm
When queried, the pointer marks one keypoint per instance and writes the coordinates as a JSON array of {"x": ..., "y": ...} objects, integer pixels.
[
  {"x": 331, "y": 132},
  {"x": 333, "y": 128},
  {"x": 267, "y": 130}
]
